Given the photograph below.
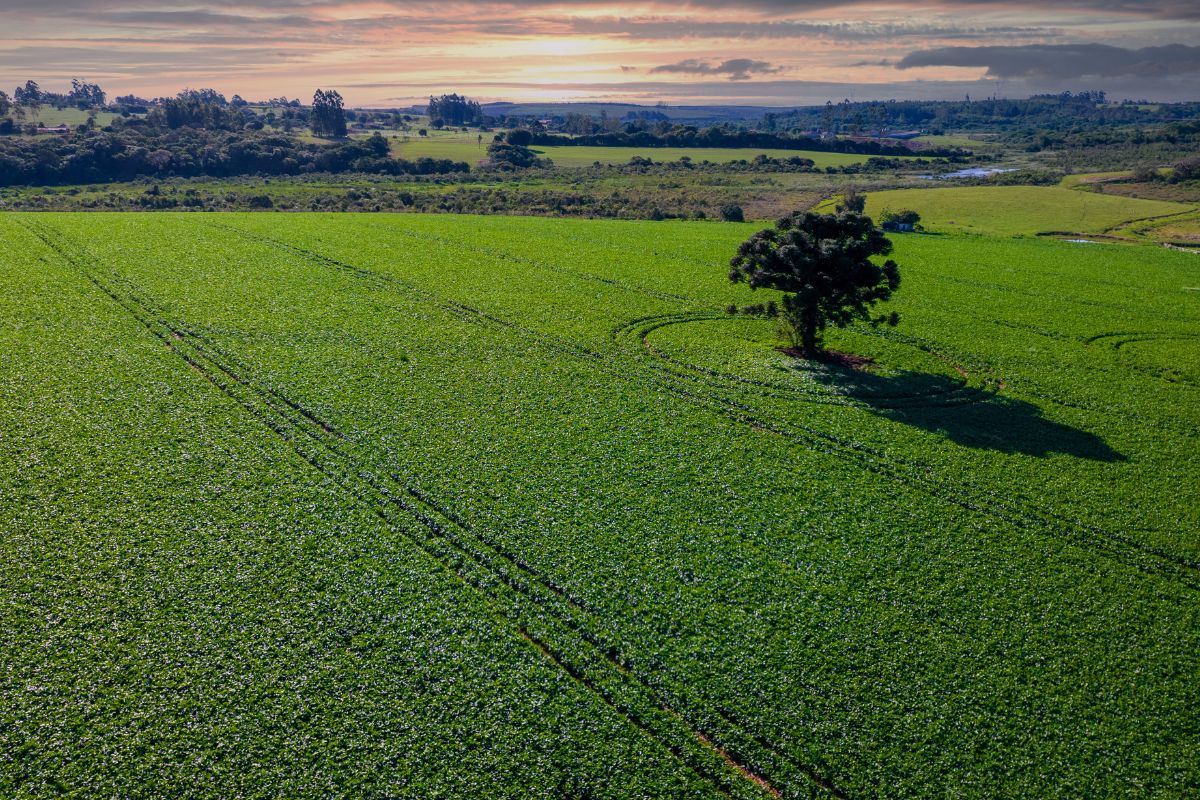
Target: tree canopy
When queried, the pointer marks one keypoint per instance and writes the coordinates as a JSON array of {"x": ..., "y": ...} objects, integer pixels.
[
  {"x": 29, "y": 95},
  {"x": 85, "y": 94},
  {"x": 823, "y": 264}
]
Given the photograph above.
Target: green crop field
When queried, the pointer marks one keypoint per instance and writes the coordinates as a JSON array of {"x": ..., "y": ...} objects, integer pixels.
[
  {"x": 465, "y": 147},
  {"x": 302, "y": 505}
]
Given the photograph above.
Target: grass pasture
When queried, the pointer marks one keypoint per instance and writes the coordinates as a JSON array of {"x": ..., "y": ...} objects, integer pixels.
[
  {"x": 50, "y": 117},
  {"x": 465, "y": 147},
  {"x": 1021, "y": 210},
  {"x": 427, "y": 506},
  {"x": 1182, "y": 229},
  {"x": 976, "y": 142}
]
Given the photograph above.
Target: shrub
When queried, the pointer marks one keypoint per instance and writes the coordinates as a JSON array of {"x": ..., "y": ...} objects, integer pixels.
[
  {"x": 520, "y": 138},
  {"x": 1186, "y": 170},
  {"x": 732, "y": 213},
  {"x": 1145, "y": 174},
  {"x": 903, "y": 220}
]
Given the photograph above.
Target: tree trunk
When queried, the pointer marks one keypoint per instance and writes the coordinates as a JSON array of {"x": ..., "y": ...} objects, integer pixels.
[{"x": 808, "y": 334}]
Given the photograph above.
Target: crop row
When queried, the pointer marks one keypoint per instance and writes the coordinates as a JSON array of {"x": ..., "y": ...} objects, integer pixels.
[
  {"x": 1007, "y": 506},
  {"x": 546, "y": 614},
  {"x": 803, "y": 569}
]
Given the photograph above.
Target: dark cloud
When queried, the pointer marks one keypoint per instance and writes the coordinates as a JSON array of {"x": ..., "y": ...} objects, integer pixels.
[
  {"x": 650, "y": 28},
  {"x": 1063, "y": 62},
  {"x": 736, "y": 69},
  {"x": 37, "y": 60},
  {"x": 193, "y": 18}
]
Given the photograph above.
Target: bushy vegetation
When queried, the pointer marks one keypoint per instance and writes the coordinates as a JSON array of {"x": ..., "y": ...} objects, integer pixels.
[
  {"x": 1091, "y": 147},
  {"x": 513, "y": 153},
  {"x": 132, "y": 150}
]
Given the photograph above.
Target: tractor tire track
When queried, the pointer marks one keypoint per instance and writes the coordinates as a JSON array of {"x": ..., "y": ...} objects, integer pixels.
[
  {"x": 1010, "y": 509},
  {"x": 1125, "y": 550},
  {"x": 592, "y": 664},
  {"x": 961, "y": 394},
  {"x": 729, "y": 409}
]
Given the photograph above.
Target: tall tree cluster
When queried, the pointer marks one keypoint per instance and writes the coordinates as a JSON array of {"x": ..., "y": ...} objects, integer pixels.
[
  {"x": 29, "y": 95},
  {"x": 84, "y": 94},
  {"x": 328, "y": 117},
  {"x": 190, "y": 109},
  {"x": 205, "y": 96},
  {"x": 453, "y": 109}
]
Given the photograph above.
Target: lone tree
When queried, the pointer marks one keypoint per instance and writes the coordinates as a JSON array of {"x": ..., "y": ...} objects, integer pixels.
[
  {"x": 823, "y": 262},
  {"x": 328, "y": 114}
]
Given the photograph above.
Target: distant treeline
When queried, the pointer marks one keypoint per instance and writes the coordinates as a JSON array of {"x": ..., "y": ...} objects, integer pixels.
[
  {"x": 687, "y": 136},
  {"x": 133, "y": 151},
  {"x": 1104, "y": 148},
  {"x": 1065, "y": 111}
]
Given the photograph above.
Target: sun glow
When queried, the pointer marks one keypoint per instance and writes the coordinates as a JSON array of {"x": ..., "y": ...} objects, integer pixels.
[{"x": 376, "y": 49}]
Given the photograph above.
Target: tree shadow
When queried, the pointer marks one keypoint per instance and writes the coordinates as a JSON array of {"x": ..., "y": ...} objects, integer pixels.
[{"x": 969, "y": 417}]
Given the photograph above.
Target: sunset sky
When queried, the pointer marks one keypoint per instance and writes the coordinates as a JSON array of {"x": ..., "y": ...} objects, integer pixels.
[{"x": 770, "y": 52}]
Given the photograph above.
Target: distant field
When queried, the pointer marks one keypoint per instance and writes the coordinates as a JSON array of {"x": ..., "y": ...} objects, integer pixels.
[
  {"x": 456, "y": 147},
  {"x": 1180, "y": 229},
  {"x": 463, "y": 147},
  {"x": 300, "y": 505},
  {"x": 583, "y": 156},
  {"x": 976, "y": 142},
  {"x": 1024, "y": 210},
  {"x": 50, "y": 116},
  {"x": 1084, "y": 179}
]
